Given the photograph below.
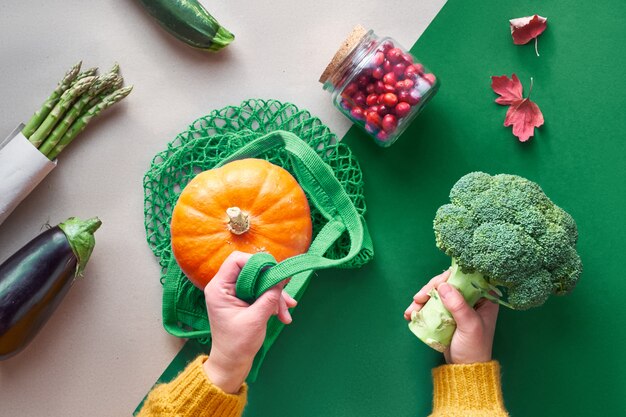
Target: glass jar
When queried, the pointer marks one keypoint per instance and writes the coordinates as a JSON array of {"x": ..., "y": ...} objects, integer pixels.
[{"x": 378, "y": 84}]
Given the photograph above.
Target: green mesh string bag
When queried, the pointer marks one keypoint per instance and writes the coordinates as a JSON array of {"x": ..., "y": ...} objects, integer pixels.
[{"x": 286, "y": 136}]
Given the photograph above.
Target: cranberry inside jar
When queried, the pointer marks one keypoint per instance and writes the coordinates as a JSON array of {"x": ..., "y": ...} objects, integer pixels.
[{"x": 378, "y": 84}]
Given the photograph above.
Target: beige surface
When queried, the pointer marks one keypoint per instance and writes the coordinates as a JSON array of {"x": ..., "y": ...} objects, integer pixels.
[{"x": 105, "y": 346}]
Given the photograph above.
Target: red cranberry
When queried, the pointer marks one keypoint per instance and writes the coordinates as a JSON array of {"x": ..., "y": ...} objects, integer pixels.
[
  {"x": 402, "y": 109},
  {"x": 345, "y": 104},
  {"x": 383, "y": 110},
  {"x": 413, "y": 71},
  {"x": 378, "y": 73},
  {"x": 374, "y": 108},
  {"x": 350, "y": 89},
  {"x": 362, "y": 80},
  {"x": 387, "y": 67},
  {"x": 403, "y": 96},
  {"x": 414, "y": 97},
  {"x": 430, "y": 78},
  {"x": 390, "y": 123},
  {"x": 389, "y": 100},
  {"x": 378, "y": 59},
  {"x": 399, "y": 69},
  {"x": 387, "y": 45},
  {"x": 410, "y": 72},
  {"x": 371, "y": 129},
  {"x": 405, "y": 84},
  {"x": 357, "y": 113},
  {"x": 390, "y": 88},
  {"x": 382, "y": 136},
  {"x": 380, "y": 87},
  {"x": 390, "y": 78},
  {"x": 371, "y": 88},
  {"x": 359, "y": 99},
  {"x": 407, "y": 58},
  {"x": 394, "y": 55},
  {"x": 373, "y": 119},
  {"x": 371, "y": 100}
]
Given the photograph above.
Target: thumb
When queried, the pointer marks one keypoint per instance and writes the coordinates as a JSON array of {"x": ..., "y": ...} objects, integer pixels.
[{"x": 467, "y": 320}]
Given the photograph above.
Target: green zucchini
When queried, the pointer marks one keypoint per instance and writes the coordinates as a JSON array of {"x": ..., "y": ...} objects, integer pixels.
[{"x": 189, "y": 21}]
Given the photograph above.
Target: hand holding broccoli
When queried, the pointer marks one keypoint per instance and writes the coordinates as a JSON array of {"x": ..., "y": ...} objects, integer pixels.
[
  {"x": 505, "y": 237},
  {"x": 473, "y": 339}
]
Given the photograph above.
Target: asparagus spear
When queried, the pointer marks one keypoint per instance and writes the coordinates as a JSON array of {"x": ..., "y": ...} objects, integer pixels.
[
  {"x": 117, "y": 84},
  {"x": 87, "y": 73},
  {"x": 80, "y": 123},
  {"x": 47, "y": 106},
  {"x": 102, "y": 83},
  {"x": 66, "y": 100},
  {"x": 115, "y": 68}
]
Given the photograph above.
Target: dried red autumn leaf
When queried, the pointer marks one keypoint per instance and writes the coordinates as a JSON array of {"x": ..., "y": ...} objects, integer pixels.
[
  {"x": 525, "y": 29},
  {"x": 523, "y": 114},
  {"x": 509, "y": 90}
]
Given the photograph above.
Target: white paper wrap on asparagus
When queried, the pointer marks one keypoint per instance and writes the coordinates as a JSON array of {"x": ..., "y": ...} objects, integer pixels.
[{"x": 22, "y": 167}]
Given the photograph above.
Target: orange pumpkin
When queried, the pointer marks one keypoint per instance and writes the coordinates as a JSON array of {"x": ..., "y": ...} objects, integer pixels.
[{"x": 249, "y": 205}]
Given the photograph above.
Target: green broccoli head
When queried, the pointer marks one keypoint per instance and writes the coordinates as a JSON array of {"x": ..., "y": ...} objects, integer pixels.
[{"x": 505, "y": 228}]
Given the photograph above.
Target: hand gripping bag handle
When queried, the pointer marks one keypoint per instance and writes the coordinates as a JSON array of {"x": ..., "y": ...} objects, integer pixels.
[{"x": 262, "y": 271}]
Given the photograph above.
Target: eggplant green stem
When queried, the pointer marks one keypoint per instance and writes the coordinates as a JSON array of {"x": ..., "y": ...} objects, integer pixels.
[{"x": 79, "y": 234}]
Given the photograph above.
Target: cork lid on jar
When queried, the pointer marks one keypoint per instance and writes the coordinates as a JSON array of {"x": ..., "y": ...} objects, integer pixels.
[{"x": 346, "y": 48}]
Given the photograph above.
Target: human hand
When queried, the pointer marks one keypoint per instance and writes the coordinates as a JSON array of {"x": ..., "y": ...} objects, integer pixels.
[
  {"x": 238, "y": 328},
  {"x": 473, "y": 339}
]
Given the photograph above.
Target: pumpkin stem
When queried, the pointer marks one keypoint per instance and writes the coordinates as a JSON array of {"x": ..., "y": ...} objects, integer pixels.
[{"x": 238, "y": 223}]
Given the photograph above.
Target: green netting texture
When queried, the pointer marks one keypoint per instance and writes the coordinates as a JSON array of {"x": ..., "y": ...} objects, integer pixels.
[{"x": 212, "y": 138}]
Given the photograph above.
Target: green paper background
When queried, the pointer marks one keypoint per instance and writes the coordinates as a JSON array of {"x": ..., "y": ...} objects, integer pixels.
[{"x": 349, "y": 351}]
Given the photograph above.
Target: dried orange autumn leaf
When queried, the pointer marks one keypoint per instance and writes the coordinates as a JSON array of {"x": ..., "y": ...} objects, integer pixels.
[
  {"x": 525, "y": 29},
  {"x": 523, "y": 114}
]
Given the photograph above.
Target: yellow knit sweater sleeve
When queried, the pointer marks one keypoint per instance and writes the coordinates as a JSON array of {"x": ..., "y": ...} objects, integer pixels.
[
  {"x": 192, "y": 394},
  {"x": 459, "y": 390},
  {"x": 468, "y": 391}
]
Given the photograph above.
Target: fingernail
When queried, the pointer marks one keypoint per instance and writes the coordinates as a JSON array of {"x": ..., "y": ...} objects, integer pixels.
[{"x": 444, "y": 289}]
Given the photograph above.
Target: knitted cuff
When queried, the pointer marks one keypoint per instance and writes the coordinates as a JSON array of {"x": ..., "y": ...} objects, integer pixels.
[
  {"x": 192, "y": 394},
  {"x": 468, "y": 387}
]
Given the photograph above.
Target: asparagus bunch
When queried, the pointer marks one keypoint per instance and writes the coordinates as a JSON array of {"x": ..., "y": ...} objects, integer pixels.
[{"x": 78, "y": 98}]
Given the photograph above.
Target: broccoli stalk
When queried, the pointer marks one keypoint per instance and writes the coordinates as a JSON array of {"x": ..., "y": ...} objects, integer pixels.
[
  {"x": 502, "y": 232},
  {"x": 433, "y": 324}
]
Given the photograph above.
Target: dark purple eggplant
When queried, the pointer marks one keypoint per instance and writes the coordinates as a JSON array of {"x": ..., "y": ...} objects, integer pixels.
[{"x": 34, "y": 280}]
